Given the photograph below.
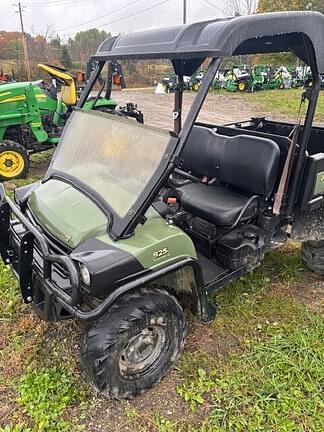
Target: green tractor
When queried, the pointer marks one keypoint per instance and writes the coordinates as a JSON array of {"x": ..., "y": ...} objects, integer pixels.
[
  {"x": 237, "y": 78},
  {"x": 279, "y": 78},
  {"x": 32, "y": 116},
  {"x": 258, "y": 77},
  {"x": 195, "y": 80},
  {"x": 169, "y": 83}
]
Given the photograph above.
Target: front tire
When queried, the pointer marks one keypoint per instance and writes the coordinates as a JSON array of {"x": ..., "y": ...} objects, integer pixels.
[
  {"x": 312, "y": 254},
  {"x": 134, "y": 344},
  {"x": 14, "y": 160}
]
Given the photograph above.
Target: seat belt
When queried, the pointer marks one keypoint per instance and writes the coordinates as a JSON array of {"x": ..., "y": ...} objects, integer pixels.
[{"x": 284, "y": 180}]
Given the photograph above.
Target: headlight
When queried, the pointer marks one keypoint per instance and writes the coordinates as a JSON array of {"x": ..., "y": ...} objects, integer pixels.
[{"x": 85, "y": 275}]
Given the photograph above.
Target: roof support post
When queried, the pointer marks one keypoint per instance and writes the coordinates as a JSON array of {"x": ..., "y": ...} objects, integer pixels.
[
  {"x": 109, "y": 80},
  {"x": 93, "y": 78},
  {"x": 177, "y": 113},
  {"x": 297, "y": 175}
]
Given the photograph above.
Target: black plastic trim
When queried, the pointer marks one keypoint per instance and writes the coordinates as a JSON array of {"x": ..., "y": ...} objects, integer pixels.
[{"x": 206, "y": 311}]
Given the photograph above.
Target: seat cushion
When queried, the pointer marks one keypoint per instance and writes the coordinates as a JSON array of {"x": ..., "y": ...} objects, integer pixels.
[{"x": 215, "y": 204}]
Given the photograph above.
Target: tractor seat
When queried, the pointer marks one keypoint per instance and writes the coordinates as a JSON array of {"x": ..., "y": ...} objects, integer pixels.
[
  {"x": 217, "y": 204},
  {"x": 246, "y": 169}
]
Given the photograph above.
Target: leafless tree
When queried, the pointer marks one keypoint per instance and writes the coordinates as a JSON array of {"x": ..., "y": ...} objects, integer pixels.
[{"x": 240, "y": 7}]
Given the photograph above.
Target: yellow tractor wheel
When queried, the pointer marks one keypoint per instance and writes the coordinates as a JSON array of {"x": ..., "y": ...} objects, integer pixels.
[
  {"x": 242, "y": 86},
  {"x": 195, "y": 87},
  {"x": 14, "y": 160}
]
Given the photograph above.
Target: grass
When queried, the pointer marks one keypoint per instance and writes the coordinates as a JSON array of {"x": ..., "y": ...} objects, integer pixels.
[
  {"x": 272, "y": 379},
  {"x": 274, "y": 385},
  {"x": 258, "y": 301},
  {"x": 44, "y": 394},
  {"x": 10, "y": 298},
  {"x": 281, "y": 103},
  {"x": 266, "y": 375},
  {"x": 15, "y": 428}
]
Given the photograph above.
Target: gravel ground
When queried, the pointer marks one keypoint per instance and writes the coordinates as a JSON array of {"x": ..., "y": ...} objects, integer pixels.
[{"x": 157, "y": 108}]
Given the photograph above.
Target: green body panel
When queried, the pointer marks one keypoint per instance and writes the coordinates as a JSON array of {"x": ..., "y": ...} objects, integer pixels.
[
  {"x": 14, "y": 99},
  {"x": 26, "y": 103},
  {"x": 231, "y": 85},
  {"x": 60, "y": 109},
  {"x": 67, "y": 213},
  {"x": 73, "y": 218}
]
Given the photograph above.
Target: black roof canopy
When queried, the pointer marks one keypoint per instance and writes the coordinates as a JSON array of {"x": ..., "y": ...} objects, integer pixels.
[{"x": 298, "y": 32}]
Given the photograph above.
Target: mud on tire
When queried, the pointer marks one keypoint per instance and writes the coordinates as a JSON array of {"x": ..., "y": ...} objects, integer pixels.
[
  {"x": 312, "y": 254},
  {"x": 133, "y": 345}
]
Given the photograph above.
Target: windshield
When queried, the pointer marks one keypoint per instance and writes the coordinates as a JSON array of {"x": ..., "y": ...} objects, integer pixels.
[{"x": 115, "y": 157}]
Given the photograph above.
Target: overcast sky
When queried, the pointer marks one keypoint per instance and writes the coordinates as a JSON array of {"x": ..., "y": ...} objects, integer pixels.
[{"x": 66, "y": 17}]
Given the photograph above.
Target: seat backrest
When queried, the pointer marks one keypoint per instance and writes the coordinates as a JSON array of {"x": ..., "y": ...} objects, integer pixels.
[
  {"x": 203, "y": 151},
  {"x": 245, "y": 162},
  {"x": 251, "y": 164}
]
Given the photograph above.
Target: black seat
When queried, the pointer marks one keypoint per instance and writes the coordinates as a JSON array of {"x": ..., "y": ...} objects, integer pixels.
[
  {"x": 245, "y": 168},
  {"x": 217, "y": 205}
]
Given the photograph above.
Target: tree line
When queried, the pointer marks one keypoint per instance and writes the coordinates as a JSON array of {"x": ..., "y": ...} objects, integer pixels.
[{"x": 72, "y": 54}]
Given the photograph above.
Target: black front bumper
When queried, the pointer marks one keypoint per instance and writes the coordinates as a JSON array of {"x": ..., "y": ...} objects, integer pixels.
[{"x": 37, "y": 265}]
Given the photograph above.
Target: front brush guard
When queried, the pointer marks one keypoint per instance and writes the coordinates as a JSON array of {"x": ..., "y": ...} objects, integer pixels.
[{"x": 24, "y": 257}]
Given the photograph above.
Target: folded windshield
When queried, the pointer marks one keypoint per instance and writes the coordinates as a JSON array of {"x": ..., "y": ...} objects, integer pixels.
[{"x": 114, "y": 157}]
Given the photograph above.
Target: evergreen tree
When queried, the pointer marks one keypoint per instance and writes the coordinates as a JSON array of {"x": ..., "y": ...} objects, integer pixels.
[{"x": 65, "y": 59}]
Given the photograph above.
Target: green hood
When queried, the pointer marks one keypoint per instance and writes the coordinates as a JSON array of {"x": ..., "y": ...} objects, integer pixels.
[{"x": 66, "y": 213}]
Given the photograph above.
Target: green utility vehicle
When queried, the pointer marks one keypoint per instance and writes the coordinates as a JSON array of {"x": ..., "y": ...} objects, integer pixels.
[
  {"x": 32, "y": 117},
  {"x": 133, "y": 224}
]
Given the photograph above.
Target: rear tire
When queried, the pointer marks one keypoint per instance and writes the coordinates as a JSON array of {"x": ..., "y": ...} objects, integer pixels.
[
  {"x": 134, "y": 344},
  {"x": 14, "y": 160},
  {"x": 242, "y": 86},
  {"x": 312, "y": 254}
]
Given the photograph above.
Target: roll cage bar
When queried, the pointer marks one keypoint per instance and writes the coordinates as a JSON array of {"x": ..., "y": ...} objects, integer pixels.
[{"x": 298, "y": 32}]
